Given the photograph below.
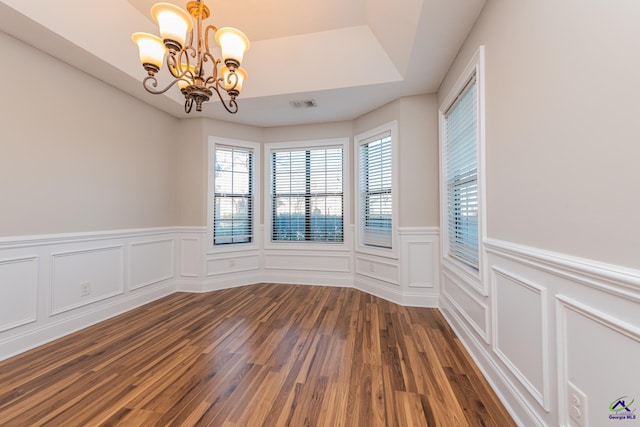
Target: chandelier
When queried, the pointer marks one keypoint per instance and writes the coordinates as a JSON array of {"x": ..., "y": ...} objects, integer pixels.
[{"x": 193, "y": 68}]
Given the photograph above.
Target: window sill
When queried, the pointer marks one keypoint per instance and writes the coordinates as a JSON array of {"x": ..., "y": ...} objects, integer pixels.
[
  {"x": 379, "y": 252},
  {"x": 232, "y": 247}
]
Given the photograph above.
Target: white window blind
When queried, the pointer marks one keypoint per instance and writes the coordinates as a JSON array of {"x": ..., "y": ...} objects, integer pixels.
[
  {"x": 461, "y": 133},
  {"x": 307, "y": 201},
  {"x": 233, "y": 195},
  {"x": 375, "y": 191}
]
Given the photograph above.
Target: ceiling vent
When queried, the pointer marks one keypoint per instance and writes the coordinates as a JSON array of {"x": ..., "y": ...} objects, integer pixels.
[{"x": 305, "y": 103}]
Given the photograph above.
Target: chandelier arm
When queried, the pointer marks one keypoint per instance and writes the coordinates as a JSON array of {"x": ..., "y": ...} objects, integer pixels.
[
  {"x": 150, "y": 82},
  {"x": 206, "y": 56},
  {"x": 233, "y": 105},
  {"x": 188, "y": 104},
  {"x": 231, "y": 80},
  {"x": 215, "y": 83},
  {"x": 176, "y": 62},
  {"x": 206, "y": 39}
]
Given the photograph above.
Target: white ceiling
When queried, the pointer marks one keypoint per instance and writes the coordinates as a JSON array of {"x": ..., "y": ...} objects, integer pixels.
[{"x": 350, "y": 56}]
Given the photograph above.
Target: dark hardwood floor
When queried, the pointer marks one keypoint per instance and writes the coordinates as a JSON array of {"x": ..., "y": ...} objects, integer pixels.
[{"x": 261, "y": 355}]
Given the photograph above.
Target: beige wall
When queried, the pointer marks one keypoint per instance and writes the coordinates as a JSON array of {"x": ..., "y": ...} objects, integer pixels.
[
  {"x": 309, "y": 132},
  {"x": 192, "y": 173},
  {"x": 107, "y": 161},
  {"x": 419, "y": 161},
  {"x": 418, "y": 155},
  {"x": 192, "y": 160},
  {"x": 562, "y": 129},
  {"x": 77, "y": 155}
]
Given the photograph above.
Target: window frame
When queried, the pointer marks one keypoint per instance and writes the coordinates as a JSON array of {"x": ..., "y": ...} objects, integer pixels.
[
  {"x": 359, "y": 140},
  {"x": 268, "y": 183},
  {"x": 477, "y": 279},
  {"x": 255, "y": 180}
]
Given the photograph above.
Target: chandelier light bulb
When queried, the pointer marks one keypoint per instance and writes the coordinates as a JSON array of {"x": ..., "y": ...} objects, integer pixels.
[
  {"x": 151, "y": 50},
  {"x": 233, "y": 81},
  {"x": 233, "y": 44},
  {"x": 174, "y": 24}
]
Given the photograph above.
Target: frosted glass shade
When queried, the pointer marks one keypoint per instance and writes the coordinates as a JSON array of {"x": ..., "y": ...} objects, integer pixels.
[
  {"x": 181, "y": 83},
  {"x": 173, "y": 21},
  {"x": 233, "y": 44},
  {"x": 230, "y": 80},
  {"x": 150, "y": 48}
]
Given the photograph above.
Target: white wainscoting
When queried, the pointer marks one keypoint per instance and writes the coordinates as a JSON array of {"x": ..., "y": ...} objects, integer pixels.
[
  {"x": 467, "y": 304},
  {"x": 53, "y": 285},
  {"x": 18, "y": 292},
  {"x": 597, "y": 353},
  {"x": 151, "y": 262},
  {"x": 203, "y": 268},
  {"x": 521, "y": 332},
  {"x": 530, "y": 352},
  {"x": 309, "y": 263},
  {"x": 237, "y": 268},
  {"x": 100, "y": 269},
  {"x": 411, "y": 279},
  {"x": 190, "y": 259},
  {"x": 308, "y": 267}
]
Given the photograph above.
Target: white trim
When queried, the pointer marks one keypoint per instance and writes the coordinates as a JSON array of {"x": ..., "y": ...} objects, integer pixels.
[
  {"x": 256, "y": 184},
  {"x": 33, "y": 314},
  {"x": 484, "y": 334},
  {"x": 48, "y": 332},
  {"x": 192, "y": 229},
  {"x": 612, "y": 279},
  {"x": 183, "y": 268},
  {"x": 231, "y": 260},
  {"x": 316, "y": 278},
  {"x": 418, "y": 231},
  {"x": 15, "y": 242},
  {"x": 395, "y": 295},
  {"x": 335, "y": 268},
  {"x": 159, "y": 279},
  {"x": 613, "y": 323},
  {"x": 479, "y": 279},
  {"x": 376, "y": 260},
  {"x": 360, "y": 139},
  {"x": 564, "y": 303},
  {"x": 509, "y": 395},
  {"x": 345, "y": 256},
  {"x": 52, "y": 273},
  {"x": 541, "y": 396}
]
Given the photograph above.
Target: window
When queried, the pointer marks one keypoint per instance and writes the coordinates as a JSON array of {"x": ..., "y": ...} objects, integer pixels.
[
  {"x": 461, "y": 146},
  {"x": 375, "y": 183},
  {"x": 307, "y": 195},
  {"x": 233, "y": 195},
  {"x": 462, "y": 176}
]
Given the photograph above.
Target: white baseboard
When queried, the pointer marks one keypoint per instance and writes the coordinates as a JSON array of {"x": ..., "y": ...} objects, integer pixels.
[
  {"x": 524, "y": 285},
  {"x": 51, "y": 331},
  {"x": 340, "y": 280},
  {"x": 504, "y": 389},
  {"x": 127, "y": 268},
  {"x": 385, "y": 291}
]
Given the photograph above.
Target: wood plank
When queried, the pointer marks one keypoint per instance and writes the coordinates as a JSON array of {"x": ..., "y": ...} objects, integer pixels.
[{"x": 266, "y": 354}]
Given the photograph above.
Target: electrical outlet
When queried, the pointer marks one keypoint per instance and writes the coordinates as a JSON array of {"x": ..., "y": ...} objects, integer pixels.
[
  {"x": 85, "y": 289},
  {"x": 577, "y": 403}
]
